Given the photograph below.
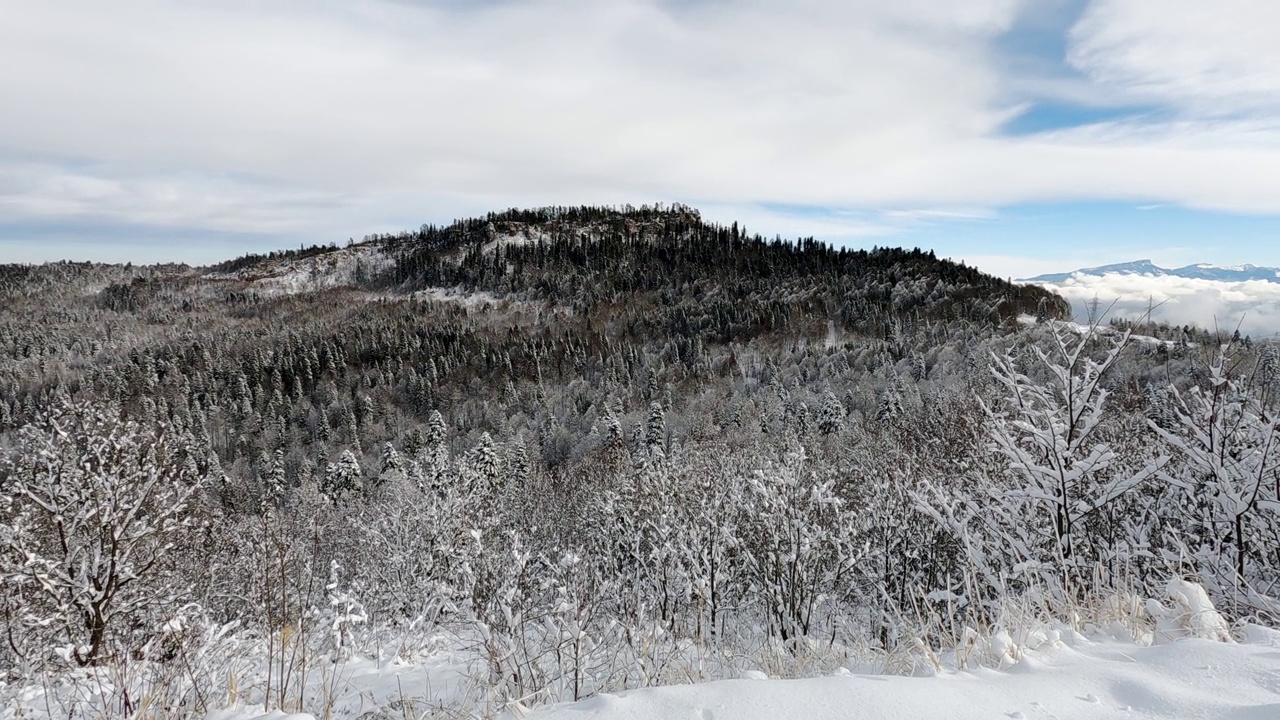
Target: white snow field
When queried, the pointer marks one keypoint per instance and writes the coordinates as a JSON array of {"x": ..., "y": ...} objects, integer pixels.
[
  {"x": 1187, "y": 679},
  {"x": 1181, "y": 661},
  {"x": 1179, "y": 677}
]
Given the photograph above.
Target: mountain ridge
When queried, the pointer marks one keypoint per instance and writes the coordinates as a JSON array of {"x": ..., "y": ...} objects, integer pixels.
[
  {"x": 1196, "y": 271},
  {"x": 597, "y": 256}
]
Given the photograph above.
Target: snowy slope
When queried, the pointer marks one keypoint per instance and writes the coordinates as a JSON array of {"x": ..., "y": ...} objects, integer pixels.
[
  {"x": 1183, "y": 680},
  {"x": 338, "y": 268}
]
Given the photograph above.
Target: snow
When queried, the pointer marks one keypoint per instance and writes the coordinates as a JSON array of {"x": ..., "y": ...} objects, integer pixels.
[
  {"x": 1177, "y": 671},
  {"x": 1190, "y": 612},
  {"x": 470, "y": 299},
  {"x": 524, "y": 236},
  {"x": 1086, "y": 329},
  {"x": 833, "y": 337},
  {"x": 354, "y": 688},
  {"x": 1189, "y": 678},
  {"x": 337, "y": 268},
  {"x": 483, "y": 301}
]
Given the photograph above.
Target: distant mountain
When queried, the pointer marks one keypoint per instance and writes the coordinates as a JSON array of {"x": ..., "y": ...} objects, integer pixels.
[{"x": 1199, "y": 271}]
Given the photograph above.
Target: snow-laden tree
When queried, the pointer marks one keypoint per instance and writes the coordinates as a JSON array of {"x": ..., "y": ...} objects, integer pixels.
[
  {"x": 483, "y": 468},
  {"x": 91, "y": 510},
  {"x": 344, "y": 477},
  {"x": 272, "y": 477},
  {"x": 800, "y": 547},
  {"x": 831, "y": 416},
  {"x": 650, "y": 456},
  {"x": 390, "y": 461},
  {"x": 890, "y": 406},
  {"x": 1047, "y": 433},
  {"x": 432, "y": 458},
  {"x": 1229, "y": 445},
  {"x": 655, "y": 427},
  {"x": 710, "y": 544}
]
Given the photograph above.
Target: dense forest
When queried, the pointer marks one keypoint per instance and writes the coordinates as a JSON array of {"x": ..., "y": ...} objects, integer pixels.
[{"x": 590, "y": 440}]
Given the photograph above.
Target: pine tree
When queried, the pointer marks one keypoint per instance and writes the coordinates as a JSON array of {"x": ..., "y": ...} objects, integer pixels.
[
  {"x": 517, "y": 463},
  {"x": 650, "y": 391},
  {"x": 890, "y": 406},
  {"x": 273, "y": 479},
  {"x": 612, "y": 429},
  {"x": 831, "y": 417},
  {"x": 342, "y": 478},
  {"x": 323, "y": 429},
  {"x": 353, "y": 431},
  {"x": 484, "y": 467},
  {"x": 436, "y": 431},
  {"x": 432, "y": 460},
  {"x": 390, "y": 461},
  {"x": 655, "y": 427}
]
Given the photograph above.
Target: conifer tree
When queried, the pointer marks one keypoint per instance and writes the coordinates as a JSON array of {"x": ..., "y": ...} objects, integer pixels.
[
  {"x": 831, "y": 417},
  {"x": 342, "y": 478}
]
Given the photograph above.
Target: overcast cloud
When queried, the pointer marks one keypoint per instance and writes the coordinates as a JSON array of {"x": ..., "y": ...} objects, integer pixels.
[{"x": 332, "y": 119}]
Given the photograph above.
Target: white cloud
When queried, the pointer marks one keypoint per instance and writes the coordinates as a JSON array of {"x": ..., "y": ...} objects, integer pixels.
[
  {"x": 1204, "y": 58},
  {"x": 331, "y": 118},
  {"x": 1253, "y": 306}
]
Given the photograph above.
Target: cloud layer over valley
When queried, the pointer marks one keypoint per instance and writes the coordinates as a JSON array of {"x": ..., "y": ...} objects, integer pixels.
[{"x": 1253, "y": 306}]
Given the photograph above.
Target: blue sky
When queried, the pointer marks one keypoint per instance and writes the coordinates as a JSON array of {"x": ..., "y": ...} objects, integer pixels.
[{"x": 1020, "y": 136}]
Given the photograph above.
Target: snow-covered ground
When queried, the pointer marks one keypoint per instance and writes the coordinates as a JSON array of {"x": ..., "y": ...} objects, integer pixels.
[
  {"x": 1191, "y": 678},
  {"x": 1176, "y": 659},
  {"x": 1102, "y": 329},
  {"x": 1075, "y": 678},
  {"x": 1184, "y": 679},
  {"x": 524, "y": 236}
]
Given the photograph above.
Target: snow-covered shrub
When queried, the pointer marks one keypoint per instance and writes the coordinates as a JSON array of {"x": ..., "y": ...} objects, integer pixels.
[
  {"x": 345, "y": 613},
  {"x": 1228, "y": 505},
  {"x": 1062, "y": 474},
  {"x": 800, "y": 550},
  {"x": 94, "y": 511},
  {"x": 1189, "y": 614}
]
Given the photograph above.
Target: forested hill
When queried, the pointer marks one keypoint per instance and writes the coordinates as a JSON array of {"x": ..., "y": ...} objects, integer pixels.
[
  {"x": 451, "y": 318},
  {"x": 679, "y": 274},
  {"x": 325, "y": 347}
]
